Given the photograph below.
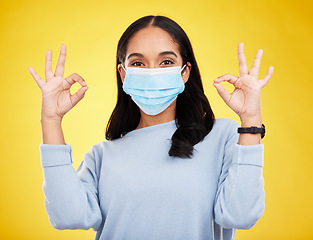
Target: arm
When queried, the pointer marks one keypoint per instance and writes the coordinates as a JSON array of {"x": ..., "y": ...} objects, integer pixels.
[
  {"x": 71, "y": 198},
  {"x": 52, "y": 131},
  {"x": 239, "y": 201}
]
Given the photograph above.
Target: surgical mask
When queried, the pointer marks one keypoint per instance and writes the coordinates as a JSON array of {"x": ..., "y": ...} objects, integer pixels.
[{"x": 153, "y": 89}]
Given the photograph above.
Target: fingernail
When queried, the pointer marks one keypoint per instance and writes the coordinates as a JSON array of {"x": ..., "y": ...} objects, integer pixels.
[{"x": 84, "y": 84}]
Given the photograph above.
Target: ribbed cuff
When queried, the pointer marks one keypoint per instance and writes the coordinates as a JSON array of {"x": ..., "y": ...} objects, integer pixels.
[
  {"x": 250, "y": 154},
  {"x": 55, "y": 154}
]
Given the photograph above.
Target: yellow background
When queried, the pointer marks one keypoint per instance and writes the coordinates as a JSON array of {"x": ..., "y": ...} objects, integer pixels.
[{"x": 91, "y": 30}]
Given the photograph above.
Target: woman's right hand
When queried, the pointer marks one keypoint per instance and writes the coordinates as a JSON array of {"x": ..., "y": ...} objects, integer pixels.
[{"x": 56, "y": 97}]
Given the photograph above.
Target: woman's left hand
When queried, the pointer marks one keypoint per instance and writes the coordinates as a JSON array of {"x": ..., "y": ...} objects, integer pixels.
[{"x": 245, "y": 100}]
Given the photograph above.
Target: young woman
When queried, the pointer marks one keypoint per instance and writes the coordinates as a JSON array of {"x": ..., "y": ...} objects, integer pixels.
[{"x": 169, "y": 169}]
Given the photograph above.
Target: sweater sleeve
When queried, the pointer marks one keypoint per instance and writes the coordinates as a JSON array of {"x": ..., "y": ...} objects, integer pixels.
[
  {"x": 240, "y": 197},
  {"x": 71, "y": 197}
]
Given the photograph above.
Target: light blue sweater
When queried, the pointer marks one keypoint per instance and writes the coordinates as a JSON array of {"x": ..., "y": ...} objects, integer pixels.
[{"x": 130, "y": 189}]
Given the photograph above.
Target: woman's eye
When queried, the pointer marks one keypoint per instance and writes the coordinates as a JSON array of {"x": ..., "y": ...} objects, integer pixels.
[
  {"x": 167, "y": 62},
  {"x": 137, "y": 64}
]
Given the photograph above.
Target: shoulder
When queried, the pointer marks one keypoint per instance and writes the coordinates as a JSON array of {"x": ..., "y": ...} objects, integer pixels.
[
  {"x": 94, "y": 157},
  {"x": 223, "y": 129},
  {"x": 225, "y": 123},
  {"x": 102, "y": 147},
  {"x": 99, "y": 148}
]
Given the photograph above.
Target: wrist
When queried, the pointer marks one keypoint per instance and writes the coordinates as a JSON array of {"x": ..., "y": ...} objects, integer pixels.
[
  {"x": 50, "y": 120},
  {"x": 252, "y": 130},
  {"x": 251, "y": 121}
]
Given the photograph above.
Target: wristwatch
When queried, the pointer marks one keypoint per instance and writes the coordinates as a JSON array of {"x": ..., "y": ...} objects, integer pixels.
[{"x": 253, "y": 130}]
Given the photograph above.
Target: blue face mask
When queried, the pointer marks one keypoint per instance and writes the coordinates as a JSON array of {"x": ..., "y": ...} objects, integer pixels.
[{"x": 153, "y": 89}]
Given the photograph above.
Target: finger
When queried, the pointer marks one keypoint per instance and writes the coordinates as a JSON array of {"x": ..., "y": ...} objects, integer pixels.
[
  {"x": 78, "y": 95},
  {"x": 48, "y": 66},
  {"x": 227, "y": 77},
  {"x": 267, "y": 77},
  {"x": 59, "y": 70},
  {"x": 256, "y": 64},
  {"x": 75, "y": 78},
  {"x": 226, "y": 96},
  {"x": 243, "y": 68},
  {"x": 38, "y": 80}
]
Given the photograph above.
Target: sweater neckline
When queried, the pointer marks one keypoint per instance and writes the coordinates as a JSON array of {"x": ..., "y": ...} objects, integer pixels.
[{"x": 152, "y": 128}]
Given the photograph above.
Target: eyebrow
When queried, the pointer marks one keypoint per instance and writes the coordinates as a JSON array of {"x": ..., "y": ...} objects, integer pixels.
[
  {"x": 160, "y": 54},
  {"x": 134, "y": 55},
  {"x": 168, "y": 52}
]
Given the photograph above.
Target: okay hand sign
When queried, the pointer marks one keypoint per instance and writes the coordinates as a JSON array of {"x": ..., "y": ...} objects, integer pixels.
[
  {"x": 56, "y": 97},
  {"x": 245, "y": 100}
]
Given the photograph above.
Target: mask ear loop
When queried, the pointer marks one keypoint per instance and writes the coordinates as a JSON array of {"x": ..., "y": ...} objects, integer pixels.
[
  {"x": 122, "y": 67},
  {"x": 183, "y": 67}
]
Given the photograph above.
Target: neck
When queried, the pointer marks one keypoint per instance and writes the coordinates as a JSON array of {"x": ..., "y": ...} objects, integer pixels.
[{"x": 166, "y": 116}]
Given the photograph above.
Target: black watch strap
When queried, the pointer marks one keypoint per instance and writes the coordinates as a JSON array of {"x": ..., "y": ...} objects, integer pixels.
[{"x": 253, "y": 130}]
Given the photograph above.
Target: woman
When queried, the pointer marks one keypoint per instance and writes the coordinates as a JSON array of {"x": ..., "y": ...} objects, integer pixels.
[{"x": 169, "y": 169}]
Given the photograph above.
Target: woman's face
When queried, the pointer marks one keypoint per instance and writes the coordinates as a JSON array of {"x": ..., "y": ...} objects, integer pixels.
[{"x": 152, "y": 47}]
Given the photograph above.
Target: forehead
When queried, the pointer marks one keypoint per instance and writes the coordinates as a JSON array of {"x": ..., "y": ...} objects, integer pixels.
[{"x": 151, "y": 40}]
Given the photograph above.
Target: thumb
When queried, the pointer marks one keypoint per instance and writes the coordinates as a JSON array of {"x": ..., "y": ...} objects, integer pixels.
[
  {"x": 78, "y": 95},
  {"x": 222, "y": 92}
]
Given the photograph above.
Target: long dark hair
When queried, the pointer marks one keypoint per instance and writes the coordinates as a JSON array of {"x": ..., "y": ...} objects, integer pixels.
[{"x": 194, "y": 117}]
